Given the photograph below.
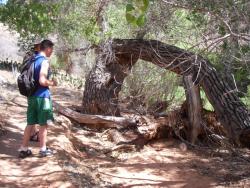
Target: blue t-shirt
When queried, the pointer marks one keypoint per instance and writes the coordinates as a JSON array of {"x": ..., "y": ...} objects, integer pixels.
[{"x": 41, "y": 91}]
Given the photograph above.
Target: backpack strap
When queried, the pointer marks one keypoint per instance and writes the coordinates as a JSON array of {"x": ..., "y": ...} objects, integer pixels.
[{"x": 29, "y": 62}]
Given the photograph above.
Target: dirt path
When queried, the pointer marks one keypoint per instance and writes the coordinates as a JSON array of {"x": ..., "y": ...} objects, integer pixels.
[
  {"x": 41, "y": 172},
  {"x": 82, "y": 159},
  {"x": 161, "y": 167},
  {"x": 29, "y": 172}
]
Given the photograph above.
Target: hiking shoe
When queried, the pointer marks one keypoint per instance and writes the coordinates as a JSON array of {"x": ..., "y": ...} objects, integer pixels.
[
  {"x": 24, "y": 154},
  {"x": 46, "y": 153}
]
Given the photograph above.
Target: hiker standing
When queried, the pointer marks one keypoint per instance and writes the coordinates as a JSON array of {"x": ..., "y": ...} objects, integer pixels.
[{"x": 39, "y": 103}]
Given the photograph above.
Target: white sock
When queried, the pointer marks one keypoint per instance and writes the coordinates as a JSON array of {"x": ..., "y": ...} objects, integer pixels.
[
  {"x": 44, "y": 148},
  {"x": 23, "y": 148}
]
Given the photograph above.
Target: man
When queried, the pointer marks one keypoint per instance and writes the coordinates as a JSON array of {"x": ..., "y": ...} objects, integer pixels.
[{"x": 39, "y": 104}]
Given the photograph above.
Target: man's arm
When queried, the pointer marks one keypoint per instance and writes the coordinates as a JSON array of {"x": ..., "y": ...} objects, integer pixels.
[{"x": 43, "y": 75}]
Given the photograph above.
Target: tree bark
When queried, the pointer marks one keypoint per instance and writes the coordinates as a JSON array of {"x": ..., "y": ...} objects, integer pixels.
[
  {"x": 93, "y": 119},
  {"x": 104, "y": 83},
  {"x": 194, "y": 107},
  {"x": 118, "y": 56}
]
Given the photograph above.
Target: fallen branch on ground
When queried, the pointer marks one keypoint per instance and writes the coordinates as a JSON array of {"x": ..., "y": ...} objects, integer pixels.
[
  {"x": 148, "y": 128},
  {"x": 93, "y": 119}
]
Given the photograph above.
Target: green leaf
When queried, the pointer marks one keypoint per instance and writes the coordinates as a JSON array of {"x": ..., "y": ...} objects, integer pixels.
[
  {"x": 130, "y": 18},
  {"x": 145, "y": 7},
  {"x": 141, "y": 20},
  {"x": 129, "y": 7}
]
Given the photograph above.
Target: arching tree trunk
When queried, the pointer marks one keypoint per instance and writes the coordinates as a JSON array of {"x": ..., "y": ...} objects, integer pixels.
[{"x": 118, "y": 56}]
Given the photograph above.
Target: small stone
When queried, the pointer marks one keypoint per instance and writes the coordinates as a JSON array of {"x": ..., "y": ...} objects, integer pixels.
[
  {"x": 183, "y": 147},
  {"x": 2, "y": 80}
]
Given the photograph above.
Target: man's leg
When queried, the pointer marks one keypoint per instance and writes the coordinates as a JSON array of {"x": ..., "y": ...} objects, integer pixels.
[
  {"x": 44, "y": 119},
  {"x": 43, "y": 130},
  {"x": 44, "y": 151},
  {"x": 26, "y": 136},
  {"x": 31, "y": 121},
  {"x": 24, "y": 151}
]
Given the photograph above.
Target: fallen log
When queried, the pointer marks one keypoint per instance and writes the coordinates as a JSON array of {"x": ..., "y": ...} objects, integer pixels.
[
  {"x": 148, "y": 128},
  {"x": 93, "y": 119}
]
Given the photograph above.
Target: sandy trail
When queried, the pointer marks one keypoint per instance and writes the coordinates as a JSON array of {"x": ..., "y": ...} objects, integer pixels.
[{"x": 32, "y": 171}]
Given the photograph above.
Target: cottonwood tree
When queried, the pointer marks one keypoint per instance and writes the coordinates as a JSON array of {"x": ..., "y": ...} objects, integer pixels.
[
  {"x": 118, "y": 56},
  {"x": 201, "y": 27}
]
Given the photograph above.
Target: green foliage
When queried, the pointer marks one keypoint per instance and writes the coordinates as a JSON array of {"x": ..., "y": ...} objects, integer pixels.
[
  {"x": 116, "y": 22},
  {"x": 241, "y": 74},
  {"x": 197, "y": 18},
  {"x": 29, "y": 18},
  {"x": 182, "y": 30},
  {"x": 205, "y": 102},
  {"x": 57, "y": 63},
  {"x": 136, "y": 12},
  {"x": 246, "y": 99},
  {"x": 77, "y": 20},
  {"x": 70, "y": 20},
  {"x": 214, "y": 58},
  {"x": 151, "y": 87},
  {"x": 178, "y": 96}
]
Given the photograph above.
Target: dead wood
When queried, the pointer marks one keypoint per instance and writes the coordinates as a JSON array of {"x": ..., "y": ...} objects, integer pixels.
[
  {"x": 194, "y": 107},
  {"x": 148, "y": 127},
  {"x": 93, "y": 119},
  {"x": 158, "y": 107}
]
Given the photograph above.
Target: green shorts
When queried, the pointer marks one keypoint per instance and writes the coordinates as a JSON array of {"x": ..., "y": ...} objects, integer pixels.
[{"x": 39, "y": 111}]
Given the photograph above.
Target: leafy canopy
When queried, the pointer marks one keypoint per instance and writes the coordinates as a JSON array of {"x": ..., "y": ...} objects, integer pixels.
[{"x": 29, "y": 18}]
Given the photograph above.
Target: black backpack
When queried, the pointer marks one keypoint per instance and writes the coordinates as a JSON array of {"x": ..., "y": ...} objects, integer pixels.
[{"x": 26, "y": 82}]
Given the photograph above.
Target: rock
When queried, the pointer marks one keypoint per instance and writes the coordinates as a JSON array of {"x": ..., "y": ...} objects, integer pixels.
[
  {"x": 183, "y": 147},
  {"x": 64, "y": 121},
  {"x": 2, "y": 80}
]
